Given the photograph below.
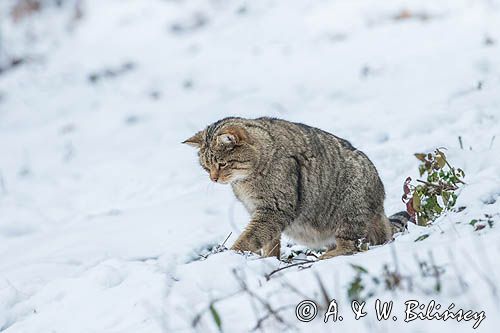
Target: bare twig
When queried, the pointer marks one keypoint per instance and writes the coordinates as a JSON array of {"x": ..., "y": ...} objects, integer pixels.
[
  {"x": 230, "y": 214},
  {"x": 216, "y": 249},
  {"x": 268, "y": 276},
  {"x": 453, "y": 171},
  {"x": 261, "y": 320},
  {"x": 322, "y": 288},
  {"x": 225, "y": 240},
  {"x": 483, "y": 275},
  {"x": 271, "y": 312},
  {"x": 395, "y": 257},
  {"x": 439, "y": 186},
  {"x": 461, "y": 281},
  {"x": 292, "y": 288},
  {"x": 437, "y": 273},
  {"x": 2, "y": 184},
  {"x": 199, "y": 315}
]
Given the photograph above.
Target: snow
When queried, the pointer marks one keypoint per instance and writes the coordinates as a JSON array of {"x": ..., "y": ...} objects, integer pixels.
[{"x": 104, "y": 214}]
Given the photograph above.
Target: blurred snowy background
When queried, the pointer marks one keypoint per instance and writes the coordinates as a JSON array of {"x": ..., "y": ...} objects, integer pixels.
[{"x": 104, "y": 214}]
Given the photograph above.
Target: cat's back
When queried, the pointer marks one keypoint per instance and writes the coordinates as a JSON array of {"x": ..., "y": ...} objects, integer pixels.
[
  {"x": 306, "y": 138},
  {"x": 321, "y": 156}
]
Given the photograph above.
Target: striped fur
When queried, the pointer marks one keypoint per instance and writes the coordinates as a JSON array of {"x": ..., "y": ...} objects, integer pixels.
[
  {"x": 399, "y": 221},
  {"x": 299, "y": 181}
]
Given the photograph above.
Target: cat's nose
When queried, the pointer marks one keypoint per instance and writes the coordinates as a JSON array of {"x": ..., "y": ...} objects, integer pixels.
[{"x": 214, "y": 175}]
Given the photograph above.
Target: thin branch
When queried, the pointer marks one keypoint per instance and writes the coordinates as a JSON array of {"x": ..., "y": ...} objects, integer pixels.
[
  {"x": 268, "y": 276},
  {"x": 439, "y": 186},
  {"x": 230, "y": 214},
  {"x": 261, "y": 320},
  {"x": 225, "y": 240},
  {"x": 265, "y": 303},
  {"x": 2, "y": 184},
  {"x": 322, "y": 288},
  {"x": 199, "y": 315}
]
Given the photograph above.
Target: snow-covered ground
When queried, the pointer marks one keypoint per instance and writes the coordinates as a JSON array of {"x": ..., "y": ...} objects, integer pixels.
[{"x": 104, "y": 214}]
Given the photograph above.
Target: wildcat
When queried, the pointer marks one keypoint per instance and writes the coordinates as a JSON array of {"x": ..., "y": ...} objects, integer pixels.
[{"x": 295, "y": 179}]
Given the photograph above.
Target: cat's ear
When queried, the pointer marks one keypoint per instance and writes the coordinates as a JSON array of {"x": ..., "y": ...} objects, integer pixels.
[
  {"x": 233, "y": 136},
  {"x": 195, "y": 140}
]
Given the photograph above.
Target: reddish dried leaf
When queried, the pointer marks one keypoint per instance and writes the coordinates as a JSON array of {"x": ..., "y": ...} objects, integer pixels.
[
  {"x": 406, "y": 189},
  {"x": 409, "y": 208},
  {"x": 480, "y": 227}
]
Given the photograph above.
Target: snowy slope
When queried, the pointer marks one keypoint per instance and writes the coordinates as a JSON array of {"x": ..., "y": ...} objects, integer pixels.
[{"x": 103, "y": 213}]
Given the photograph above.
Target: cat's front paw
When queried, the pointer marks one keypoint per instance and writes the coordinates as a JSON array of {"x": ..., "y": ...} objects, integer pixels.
[
  {"x": 243, "y": 246},
  {"x": 238, "y": 248}
]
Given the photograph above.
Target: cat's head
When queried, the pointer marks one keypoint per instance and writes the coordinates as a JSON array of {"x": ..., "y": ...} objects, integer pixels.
[{"x": 225, "y": 152}]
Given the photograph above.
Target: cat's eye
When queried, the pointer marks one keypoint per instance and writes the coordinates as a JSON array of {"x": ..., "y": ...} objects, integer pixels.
[{"x": 222, "y": 165}]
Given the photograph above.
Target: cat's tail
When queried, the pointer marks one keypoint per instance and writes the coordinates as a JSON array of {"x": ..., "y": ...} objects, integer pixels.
[{"x": 399, "y": 221}]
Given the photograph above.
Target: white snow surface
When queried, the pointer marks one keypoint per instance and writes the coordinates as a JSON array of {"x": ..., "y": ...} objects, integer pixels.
[{"x": 103, "y": 213}]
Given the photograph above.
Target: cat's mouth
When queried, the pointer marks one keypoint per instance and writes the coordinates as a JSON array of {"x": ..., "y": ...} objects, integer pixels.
[
  {"x": 229, "y": 178},
  {"x": 223, "y": 181},
  {"x": 220, "y": 179}
]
